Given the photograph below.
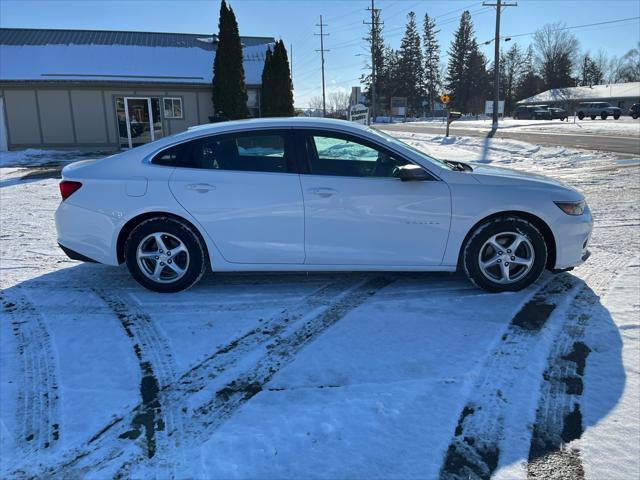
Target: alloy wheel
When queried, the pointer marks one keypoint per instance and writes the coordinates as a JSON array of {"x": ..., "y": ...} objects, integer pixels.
[
  {"x": 162, "y": 257},
  {"x": 506, "y": 257}
]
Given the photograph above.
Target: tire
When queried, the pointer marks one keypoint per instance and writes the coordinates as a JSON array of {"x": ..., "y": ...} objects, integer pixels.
[
  {"x": 580, "y": 115},
  {"x": 501, "y": 232},
  {"x": 616, "y": 116},
  {"x": 141, "y": 248},
  {"x": 634, "y": 116},
  {"x": 603, "y": 115},
  {"x": 593, "y": 117}
]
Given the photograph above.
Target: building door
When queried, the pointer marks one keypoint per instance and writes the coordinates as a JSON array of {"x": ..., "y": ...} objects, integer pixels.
[{"x": 139, "y": 121}]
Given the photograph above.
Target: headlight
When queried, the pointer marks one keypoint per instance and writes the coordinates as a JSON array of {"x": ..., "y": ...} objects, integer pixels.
[{"x": 572, "y": 208}]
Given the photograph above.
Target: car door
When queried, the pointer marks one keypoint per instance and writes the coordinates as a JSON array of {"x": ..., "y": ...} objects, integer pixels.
[
  {"x": 243, "y": 189},
  {"x": 357, "y": 210}
]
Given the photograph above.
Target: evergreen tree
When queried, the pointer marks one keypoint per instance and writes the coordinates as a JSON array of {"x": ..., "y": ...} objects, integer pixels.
[
  {"x": 511, "y": 66},
  {"x": 410, "y": 66},
  {"x": 530, "y": 82},
  {"x": 282, "y": 86},
  {"x": 476, "y": 80},
  {"x": 375, "y": 41},
  {"x": 388, "y": 75},
  {"x": 432, "y": 82},
  {"x": 459, "y": 54},
  {"x": 229, "y": 90},
  {"x": 267, "y": 88},
  {"x": 590, "y": 72}
]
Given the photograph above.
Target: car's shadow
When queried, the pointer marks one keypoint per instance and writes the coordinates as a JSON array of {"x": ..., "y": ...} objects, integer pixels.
[{"x": 30, "y": 324}]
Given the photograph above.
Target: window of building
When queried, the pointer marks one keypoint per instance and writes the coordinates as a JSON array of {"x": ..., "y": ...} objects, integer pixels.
[{"x": 172, "y": 107}]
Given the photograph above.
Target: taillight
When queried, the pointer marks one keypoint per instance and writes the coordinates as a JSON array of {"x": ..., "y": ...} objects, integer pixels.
[{"x": 67, "y": 188}]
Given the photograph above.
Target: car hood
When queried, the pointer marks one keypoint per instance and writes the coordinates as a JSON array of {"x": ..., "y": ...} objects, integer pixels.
[{"x": 503, "y": 176}]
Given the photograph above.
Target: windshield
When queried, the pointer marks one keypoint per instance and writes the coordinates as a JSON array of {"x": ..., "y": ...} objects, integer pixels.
[{"x": 421, "y": 154}]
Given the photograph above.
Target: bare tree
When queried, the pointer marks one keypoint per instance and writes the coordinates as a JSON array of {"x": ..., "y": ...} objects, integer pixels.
[
  {"x": 315, "y": 103},
  {"x": 556, "y": 54},
  {"x": 338, "y": 102}
]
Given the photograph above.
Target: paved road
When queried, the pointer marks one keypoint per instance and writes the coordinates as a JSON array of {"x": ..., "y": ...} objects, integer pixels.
[{"x": 627, "y": 145}]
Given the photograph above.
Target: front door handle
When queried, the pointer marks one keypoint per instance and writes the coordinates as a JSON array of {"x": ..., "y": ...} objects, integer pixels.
[
  {"x": 201, "y": 187},
  {"x": 323, "y": 192}
]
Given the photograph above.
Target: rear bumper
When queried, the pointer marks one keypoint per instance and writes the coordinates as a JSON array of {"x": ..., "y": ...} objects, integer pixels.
[
  {"x": 84, "y": 234},
  {"x": 73, "y": 255}
]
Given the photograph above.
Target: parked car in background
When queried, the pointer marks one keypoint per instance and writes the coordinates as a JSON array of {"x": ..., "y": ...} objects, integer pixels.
[
  {"x": 601, "y": 109},
  {"x": 301, "y": 194},
  {"x": 634, "y": 111},
  {"x": 557, "y": 113},
  {"x": 530, "y": 112}
]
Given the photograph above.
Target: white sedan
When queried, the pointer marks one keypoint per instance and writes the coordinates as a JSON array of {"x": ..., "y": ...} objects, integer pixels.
[{"x": 300, "y": 194}]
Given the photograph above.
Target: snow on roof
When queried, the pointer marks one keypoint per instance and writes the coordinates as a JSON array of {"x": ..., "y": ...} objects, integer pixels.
[
  {"x": 594, "y": 92},
  {"x": 119, "y": 56},
  {"x": 120, "y": 63}
]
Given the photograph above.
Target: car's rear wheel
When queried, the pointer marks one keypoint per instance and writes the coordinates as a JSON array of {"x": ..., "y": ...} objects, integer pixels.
[
  {"x": 616, "y": 116},
  {"x": 580, "y": 115},
  {"x": 593, "y": 117},
  {"x": 603, "y": 115},
  {"x": 165, "y": 255},
  {"x": 505, "y": 254}
]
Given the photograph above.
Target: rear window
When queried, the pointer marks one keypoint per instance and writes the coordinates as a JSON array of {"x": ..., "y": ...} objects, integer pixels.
[{"x": 253, "y": 152}]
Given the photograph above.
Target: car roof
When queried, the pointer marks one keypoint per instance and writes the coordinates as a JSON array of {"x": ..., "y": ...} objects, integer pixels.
[{"x": 281, "y": 122}]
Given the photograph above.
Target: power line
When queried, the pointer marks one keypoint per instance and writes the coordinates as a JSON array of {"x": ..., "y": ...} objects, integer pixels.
[{"x": 575, "y": 26}]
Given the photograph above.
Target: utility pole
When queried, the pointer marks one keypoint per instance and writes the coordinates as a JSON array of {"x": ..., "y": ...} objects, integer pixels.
[
  {"x": 496, "y": 61},
  {"x": 374, "y": 28},
  {"x": 322, "y": 50}
]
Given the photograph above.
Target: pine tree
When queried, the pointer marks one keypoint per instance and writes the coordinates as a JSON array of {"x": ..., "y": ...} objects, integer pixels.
[
  {"x": 511, "y": 66},
  {"x": 229, "y": 90},
  {"x": 590, "y": 72},
  {"x": 459, "y": 54},
  {"x": 276, "y": 98},
  {"x": 267, "y": 87},
  {"x": 375, "y": 41},
  {"x": 530, "y": 82},
  {"x": 410, "y": 66},
  {"x": 432, "y": 81},
  {"x": 476, "y": 80},
  {"x": 283, "y": 87}
]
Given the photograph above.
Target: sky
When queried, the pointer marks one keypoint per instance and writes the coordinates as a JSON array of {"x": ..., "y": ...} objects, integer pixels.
[{"x": 294, "y": 21}]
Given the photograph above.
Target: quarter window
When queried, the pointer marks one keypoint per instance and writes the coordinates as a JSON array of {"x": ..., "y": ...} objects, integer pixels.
[
  {"x": 172, "y": 107},
  {"x": 344, "y": 156}
]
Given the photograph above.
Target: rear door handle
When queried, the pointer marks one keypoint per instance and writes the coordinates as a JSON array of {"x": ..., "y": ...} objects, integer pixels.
[
  {"x": 323, "y": 192},
  {"x": 201, "y": 187}
]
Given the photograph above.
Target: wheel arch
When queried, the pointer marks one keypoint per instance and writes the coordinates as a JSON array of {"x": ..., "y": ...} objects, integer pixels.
[
  {"x": 539, "y": 223},
  {"x": 128, "y": 227}
]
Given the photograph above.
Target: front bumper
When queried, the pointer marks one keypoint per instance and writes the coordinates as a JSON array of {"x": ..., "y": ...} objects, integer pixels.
[{"x": 572, "y": 235}]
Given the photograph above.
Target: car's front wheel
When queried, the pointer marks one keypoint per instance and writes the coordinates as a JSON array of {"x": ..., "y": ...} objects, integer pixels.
[
  {"x": 603, "y": 115},
  {"x": 616, "y": 116},
  {"x": 505, "y": 254},
  {"x": 165, "y": 255}
]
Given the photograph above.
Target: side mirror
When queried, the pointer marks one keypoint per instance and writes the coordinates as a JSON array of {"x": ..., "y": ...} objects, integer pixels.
[{"x": 413, "y": 173}]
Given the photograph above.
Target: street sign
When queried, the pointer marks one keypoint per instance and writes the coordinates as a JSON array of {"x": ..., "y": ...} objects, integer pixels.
[
  {"x": 359, "y": 113},
  {"x": 488, "y": 107},
  {"x": 444, "y": 98}
]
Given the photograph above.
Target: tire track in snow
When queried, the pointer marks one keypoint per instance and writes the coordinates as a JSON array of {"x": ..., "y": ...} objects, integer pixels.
[
  {"x": 156, "y": 415},
  {"x": 474, "y": 449},
  {"x": 38, "y": 397},
  {"x": 558, "y": 415},
  {"x": 106, "y": 447}
]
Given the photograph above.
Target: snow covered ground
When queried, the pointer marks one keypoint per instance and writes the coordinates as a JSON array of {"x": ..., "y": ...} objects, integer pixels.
[
  {"x": 325, "y": 375},
  {"x": 624, "y": 126}
]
